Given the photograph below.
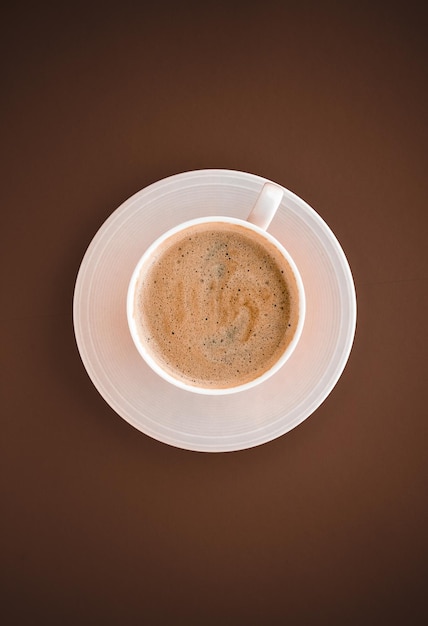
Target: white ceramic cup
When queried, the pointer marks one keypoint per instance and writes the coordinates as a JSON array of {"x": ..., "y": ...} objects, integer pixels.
[{"x": 257, "y": 221}]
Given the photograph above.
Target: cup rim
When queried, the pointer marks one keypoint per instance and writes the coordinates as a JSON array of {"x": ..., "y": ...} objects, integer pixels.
[{"x": 153, "y": 363}]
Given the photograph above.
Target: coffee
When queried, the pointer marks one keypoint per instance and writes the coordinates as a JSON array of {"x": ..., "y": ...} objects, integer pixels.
[{"x": 216, "y": 305}]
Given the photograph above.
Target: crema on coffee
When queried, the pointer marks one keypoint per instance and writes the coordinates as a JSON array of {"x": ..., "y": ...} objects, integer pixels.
[{"x": 217, "y": 305}]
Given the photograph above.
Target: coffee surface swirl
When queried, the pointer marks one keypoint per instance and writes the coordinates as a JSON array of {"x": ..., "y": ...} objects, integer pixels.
[{"x": 217, "y": 306}]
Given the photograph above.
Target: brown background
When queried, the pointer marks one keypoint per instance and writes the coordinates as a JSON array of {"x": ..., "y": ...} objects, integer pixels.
[{"x": 103, "y": 525}]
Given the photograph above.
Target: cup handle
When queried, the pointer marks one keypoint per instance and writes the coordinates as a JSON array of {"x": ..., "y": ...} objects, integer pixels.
[{"x": 266, "y": 205}]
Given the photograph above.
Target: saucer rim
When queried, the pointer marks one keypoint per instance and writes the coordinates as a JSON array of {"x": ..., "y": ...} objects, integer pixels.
[{"x": 188, "y": 444}]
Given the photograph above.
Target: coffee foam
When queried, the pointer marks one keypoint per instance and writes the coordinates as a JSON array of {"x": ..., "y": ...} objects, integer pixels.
[{"x": 217, "y": 306}]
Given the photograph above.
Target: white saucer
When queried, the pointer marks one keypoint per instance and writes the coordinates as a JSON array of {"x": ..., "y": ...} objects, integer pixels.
[{"x": 181, "y": 418}]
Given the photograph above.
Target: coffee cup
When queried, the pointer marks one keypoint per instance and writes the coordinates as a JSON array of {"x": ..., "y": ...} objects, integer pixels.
[{"x": 216, "y": 305}]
